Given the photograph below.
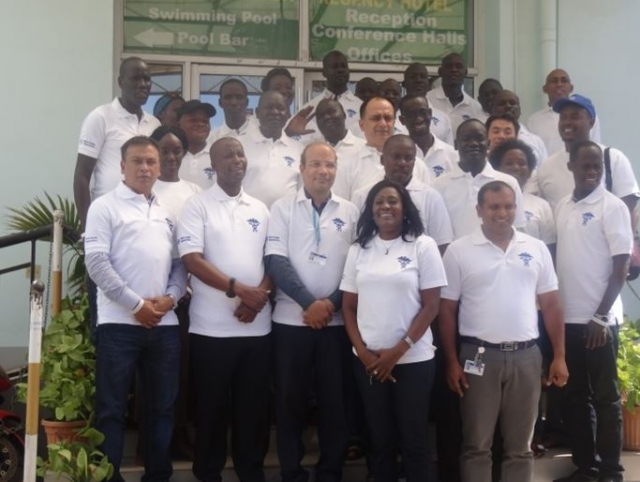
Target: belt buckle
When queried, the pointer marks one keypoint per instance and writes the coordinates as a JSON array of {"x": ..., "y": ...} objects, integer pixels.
[{"x": 509, "y": 346}]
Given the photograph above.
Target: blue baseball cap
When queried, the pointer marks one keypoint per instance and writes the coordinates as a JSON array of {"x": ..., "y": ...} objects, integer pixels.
[
  {"x": 575, "y": 99},
  {"x": 164, "y": 101}
]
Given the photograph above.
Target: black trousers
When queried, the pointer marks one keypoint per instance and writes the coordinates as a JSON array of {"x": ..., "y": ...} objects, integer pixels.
[
  {"x": 593, "y": 410},
  {"x": 304, "y": 355},
  {"x": 231, "y": 378},
  {"x": 398, "y": 418}
]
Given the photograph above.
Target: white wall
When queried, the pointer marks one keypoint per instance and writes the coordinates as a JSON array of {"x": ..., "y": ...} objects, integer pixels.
[{"x": 57, "y": 61}]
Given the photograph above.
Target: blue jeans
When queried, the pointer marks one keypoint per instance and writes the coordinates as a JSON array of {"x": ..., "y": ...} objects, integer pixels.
[{"x": 121, "y": 349}]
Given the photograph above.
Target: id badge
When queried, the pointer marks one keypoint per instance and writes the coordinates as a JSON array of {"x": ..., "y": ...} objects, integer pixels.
[
  {"x": 317, "y": 258},
  {"x": 473, "y": 368}
]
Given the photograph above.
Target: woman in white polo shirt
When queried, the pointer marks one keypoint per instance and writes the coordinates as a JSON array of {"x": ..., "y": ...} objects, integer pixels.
[{"x": 391, "y": 285}]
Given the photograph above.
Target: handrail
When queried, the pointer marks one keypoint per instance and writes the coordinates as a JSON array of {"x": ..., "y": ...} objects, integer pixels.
[{"x": 35, "y": 234}]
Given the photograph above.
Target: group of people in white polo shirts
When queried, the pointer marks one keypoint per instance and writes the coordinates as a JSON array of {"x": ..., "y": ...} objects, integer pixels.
[{"x": 320, "y": 258}]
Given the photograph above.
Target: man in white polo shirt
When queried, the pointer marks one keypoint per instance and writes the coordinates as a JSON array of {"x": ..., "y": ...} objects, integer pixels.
[
  {"x": 417, "y": 117},
  {"x": 594, "y": 244},
  {"x": 129, "y": 253},
  {"x": 272, "y": 156},
  {"x": 416, "y": 81},
  {"x": 221, "y": 239},
  {"x": 459, "y": 187},
  {"x": 194, "y": 118},
  {"x": 331, "y": 117},
  {"x": 555, "y": 181},
  {"x": 233, "y": 102},
  {"x": 104, "y": 131},
  {"x": 450, "y": 97},
  {"x": 398, "y": 159},
  {"x": 495, "y": 276},
  {"x": 309, "y": 235}
]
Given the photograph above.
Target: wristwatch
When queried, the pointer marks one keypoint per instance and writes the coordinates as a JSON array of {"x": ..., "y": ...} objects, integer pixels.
[{"x": 230, "y": 290}]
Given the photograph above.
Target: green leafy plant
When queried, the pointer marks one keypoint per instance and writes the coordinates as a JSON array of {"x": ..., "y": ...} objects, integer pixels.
[
  {"x": 78, "y": 461},
  {"x": 38, "y": 213},
  {"x": 629, "y": 364},
  {"x": 68, "y": 363}
]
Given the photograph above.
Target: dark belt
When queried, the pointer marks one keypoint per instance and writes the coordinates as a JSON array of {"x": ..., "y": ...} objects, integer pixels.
[{"x": 504, "y": 346}]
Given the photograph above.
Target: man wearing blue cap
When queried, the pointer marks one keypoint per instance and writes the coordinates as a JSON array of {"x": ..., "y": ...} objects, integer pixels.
[
  {"x": 166, "y": 108},
  {"x": 555, "y": 181}
]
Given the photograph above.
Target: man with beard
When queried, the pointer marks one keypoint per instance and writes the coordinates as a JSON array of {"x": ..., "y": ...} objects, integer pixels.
[
  {"x": 273, "y": 158},
  {"x": 106, "y": 129},
  {"x": 450, "y": 97},
  {"x": 416, "y": 115}
]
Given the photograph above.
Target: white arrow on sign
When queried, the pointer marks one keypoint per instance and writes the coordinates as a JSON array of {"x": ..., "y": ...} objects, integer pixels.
[{"x": 150, "y": 38}]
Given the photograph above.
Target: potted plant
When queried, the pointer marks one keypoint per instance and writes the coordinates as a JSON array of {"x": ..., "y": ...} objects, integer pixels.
[
  {"x": 67, "y": 370},
  {"x": 629, "y": 376},
  {"x": 79, "y": 460}
]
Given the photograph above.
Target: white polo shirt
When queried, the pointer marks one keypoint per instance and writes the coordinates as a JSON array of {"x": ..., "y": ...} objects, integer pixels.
[
  {"x": 138, "y": 235},
  {"x": 459, "y": 190},
  {"x": 366, "y": 169},
  {"x": 273, "y": 167},
  {"x": 103, "y": 132},
  {"x": 441, "y": 126},
  {"x": 346, "y": 151},
  {"x": 540, "y": 222},
  {"x": 469, "y": 108},
  {"x": 225, "y": 131},
  {"x": 196, "y": 168},
  {"x": 173, "y": 195},
  {"x": 498, "y": 289},
  {"x": 430, "y": 204},
  {"x": 544, "y": 124},
  {"x": 230, "y": 232},
  {"x": 590, "y": 232},
  {"x": 349, "y": 102},
  {"x": 318, "y": 257},
  {"x": 388, "y": 288},
  {"x": 440, "y": 157},
  {"x": 555, "y": 180},
  {"x": 534, "y": 142}
]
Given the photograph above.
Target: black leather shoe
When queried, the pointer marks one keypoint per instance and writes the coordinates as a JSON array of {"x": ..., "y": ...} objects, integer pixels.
[{"x": 611, "y": 478}]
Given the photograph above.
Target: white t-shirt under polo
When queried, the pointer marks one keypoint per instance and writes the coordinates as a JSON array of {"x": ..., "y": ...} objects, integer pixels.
[
  {"x": 273, "y": 167},
  {"x": 433, "y": 211},
  {"x": 138, "y": 235},
  {"x": 103, "y": 132},
  {"x": 319, "y": 265},
  {"x": 388, "y": 276},
  {"x": 469, "y": 108},
  {"x": 347, "y": 150},
  {"x": 544, "y": 124},
  {"x": 498, "y": 289},
  {"x": 459, "y": 190},
  {"x": 590, "y": 232},
  {"x": 196, "y": 168},
  {"x": 173, "y": 195},
  {"x": 230, "y": 232},
  {"x": 440, "y": 157},
  {"x": 540, "y": 222},
  {"x": 555, "y": 180}
]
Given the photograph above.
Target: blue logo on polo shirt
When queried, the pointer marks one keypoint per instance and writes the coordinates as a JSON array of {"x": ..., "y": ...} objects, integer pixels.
[
  {"x": 526, "y": 258},
  {"x": 586, "y": 217},
  {"x": 254, "y": 223},
  {"x": 466, "y": 117},
  {"x": 404, "y": 261},
  {"x": 339, "y": 224},
  {"x": 528, "y": 215},
  {"x": 351, "y": 112},
  {"x": 435, "y": 121},
  {"x": 289, "y": 160},
  {"x": 209, "y": 172},
  {"x": 438, "y": 170}
]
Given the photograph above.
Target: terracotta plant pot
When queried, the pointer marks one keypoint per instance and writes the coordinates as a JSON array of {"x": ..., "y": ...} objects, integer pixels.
[
  {"x": 631, "y": 429},
  {"x": 58, "y": 431}
]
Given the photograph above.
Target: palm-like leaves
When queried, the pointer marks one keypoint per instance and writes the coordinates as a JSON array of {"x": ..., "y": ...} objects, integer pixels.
[{"x": 38, "y": 213}]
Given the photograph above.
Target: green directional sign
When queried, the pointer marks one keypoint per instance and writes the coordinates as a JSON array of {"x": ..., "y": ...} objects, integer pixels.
[
  {"x": 223, "y": 28},
  {"x": 391, "y": 31}
]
